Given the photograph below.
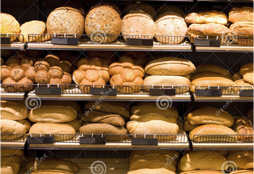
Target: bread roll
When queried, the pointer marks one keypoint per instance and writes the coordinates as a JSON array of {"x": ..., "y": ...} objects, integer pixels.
[
  {"x": 206, "y": 17},
  {"x": 203, "y": 172},
  {"x": 9, "y": 25},
  {"x": 13, "y": 127},
  {"x": 57, "y": 114},
  {"x": 11, "y": 152},
  {"x": 242, "y": 14},
  {"x": 170, "y": 66},
  {"x": 202, "y": 161},
  {"x": 212, "y": 129},
  {"x": 103, "y": 117},
  {"x": 237, "y": 76},
  {"x": 244, "y": 32},
  {"x": 242, "y": 172},
  {"x": 13, "y": 110},
  {"x": 75, "y": 105},
  {"x": 243, "y": 160},
  {"x": 120, "y": 108},
  {"x": 76, "y": 124},
  {"x": 101, "y": 128},
  {"x": 26, "y": 123},
  {"x": 54, "y": 164},
  {"x": 210, "y": 115},
  {"x": 212, "y": 68},
  {"x": 50, "y": 171},
  {"x": 151, "y": 171}
]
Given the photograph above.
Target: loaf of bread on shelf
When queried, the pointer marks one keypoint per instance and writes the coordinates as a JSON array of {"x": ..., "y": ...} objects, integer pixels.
[
  {"x": 10, "y": 167},
  {"x": 103, "y": 117},
  {"x": 141, "y": 6},
  {"x": 213, "y": 133},
  {"x": 26, "y": 123},
  {"x": 242, "y": 172},
  {"x": 241, "y": 85},
  {"x": 120, "y": 108},
  {"x": 54, "y": 114},
  {"x": 126, "y": 75},
  {"x": 54, "y": 60},
  {"x": 206, "y": 160},
  {"x": 189, "y": 127},
  {"x": 53, "y": 128},
  {"x": 212, "y": 68},
  {"x": 247, "y": 72},
  {"x": 170, "y": 66},
  {"x": 237, "y": 76},
  {"x": 50, "y": 171},
  {"x": 75, "y": 105},
  {"x": 242, "y": 159},
  {"x": 203, "y": 172},
  {"x": 18, "y": 74},
  {"x": 11, "y": 126},
  {"x": 207, "y": 17},
  {"x": 6, "y": 170},
  {"x": 11, "y": 152},
  {"x": 13, "y": 110},
  {"x": 151, "y": 171},
  {"x": 244, "y": 32},
  {"x": 244, "y": 127},
  {"x": 89, "y": 73},
  {"x": 210, "y": 115},
  {"x": 103, "y": 23},
  {"x": 66, "y": 20},
  {"x": 76, "y": 124},
  {"x": 170, "y": 28},
  {"x": 53, "y": 164},
  {"x": 9, "y": 25},
  {"x": 241, "y": 14}
]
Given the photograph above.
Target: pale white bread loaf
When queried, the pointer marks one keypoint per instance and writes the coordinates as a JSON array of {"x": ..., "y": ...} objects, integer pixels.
[
  {"x": 49, "y": 113},
  {"x": 206, "y": 17},
  {"x": 170, "y": 24},
  {"x": 210, "y": 115},
  {"x": 50, "y": 171},
  {"x": 203, "y": 172},
  {"x": 242, "y": 14},
  {"x": 151, "y": 171},
  {"x": 9, "y": 25},
  {"x": 141, "y": 6},
  {"x": 242, "y": 172},
  {"x": 170, "y": 66},
  {"x": 13, "y": 110},
  {"x": 10, "y": 126},
  {"x": 54, "y": 164},
  {"x": 6, "y": 170},
  {"x": 212, "y": 68},
  {"x": 206, "y": 160},
  {"x": 75, "y": 105},
  {"x": 139, "y": 24},
  {"x": 13, "y": 165},
  {"x": 26, "y": 123},
  {"x": 76, "y": 124},
  {"x": 237, "y": 76},
  {"x": 243, "y": 160},
  {"x": 11, "y": 152},
  {"x": 53, "y": 128},
  {"x": 212, "y": 129}
]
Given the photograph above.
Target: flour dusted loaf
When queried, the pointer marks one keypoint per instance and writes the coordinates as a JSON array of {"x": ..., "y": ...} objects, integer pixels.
[
  {"x": 103, "y": 23},
  {"x": 66, "y": 20},
  {"x": 13, "y": 110},
  {"x": 170, "y": 24},
  {"x": 247, "y": 72},
  {"x": 151, "y": 171},
  {"x": 54, "y": 114},
  {"x": 243, "y": 159},
  {"x": 206, "y": 17},
  {"x": 125, "y": 75},
  {"x": 89, "y": 73},
  {"x": 244, "y": 32},
  {"x": 241, "y": 14},
  {"x": 9, "y": 25}
]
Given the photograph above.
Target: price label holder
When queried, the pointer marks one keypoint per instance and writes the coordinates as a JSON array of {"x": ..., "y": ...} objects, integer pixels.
[
  {"x": 48, "y": 90},
  {"x": 41, "y": 140},
  {"x": 159, "y": 92},
  {"x": 207, "y": 43},
  {"x": 103, "y": 91},
  {"x": 92, "y": 140},
  {"x": 246, "y": 93},
  {"x": 5, "y": 40},
  {"x": 144, "y": 141},
  {"x": 64, "y": 41},
  {"x": 208, "y": 92},
  {"x": 140, "y": 42}
]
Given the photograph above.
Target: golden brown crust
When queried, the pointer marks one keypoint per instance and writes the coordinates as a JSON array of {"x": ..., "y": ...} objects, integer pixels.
[
  {"x": 242, "y": 14},
  {"x": 207, "y": 30}
]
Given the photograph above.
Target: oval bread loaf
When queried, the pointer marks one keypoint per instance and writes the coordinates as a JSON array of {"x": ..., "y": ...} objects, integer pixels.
[{"x": 13, "y": 110}]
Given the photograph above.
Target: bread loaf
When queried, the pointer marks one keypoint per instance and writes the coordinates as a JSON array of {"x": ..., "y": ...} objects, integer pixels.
[
  {"x": 50, "y": 171},
  {"x": 170, "y": 66},
  {"x": 13, "y": 110},
  {"x": 189, "y": 127},
  {"x": 210, "y": 115},
  {"x": 57, "y": 114},
  {"x": 248, "y": 77},
  {"x": 212, "y": 68},
  {"x": 11, "y": 152},
  {"x": 244, "y": 127},
  {"x": 244, "y": 32},
  {"x": 103, "y": 117},
  {"x": 170, "y": 24},
  {"x": 6, "y": 170},
  {"x": 26, "y": 123},
  {"x": 75, "y": 105},
  {"x": 76, "y": 124},
  {"x": 141, "y": 6},
  {"x": 12, "y": 166},
  {"x": 203, "y": 172},
  {"x": 9, "y": 25},
  {"x": 207, "y": 29},
  {"x": 242, "y": 14},
  {"x": 120, "y": 108},
  {"x": 151, "y": 171},
  {"x": 212, "y": 129},
  {"x": 13, "y": 127},
  {"x": 247, "y": 72},
  {"x": 237, "y": 76},
  {"x": 242, "y": 172},
  {"x": 202, "y": 161},
  {"x": 207, "y": 17},
  {"x": 101, "y": 128},
  {"x": 243, "y": 160}
]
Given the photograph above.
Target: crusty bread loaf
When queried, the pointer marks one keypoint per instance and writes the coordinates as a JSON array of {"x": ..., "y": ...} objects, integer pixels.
[
  {"x": 243, "y": 160},
  {"x": 13, "y": 110},
  {"x": 189, "y": 127},
  {"x": 151, "y": 171},
  {"x": 210, "y": 115},
  {"x": 244, "y": 127},
  {"x": 6, "y": 170},
  {"x": 212, "y": 129},
  {"x": 212, "y": 68},
  {"x": 207, "y": 29},
  {"x": 101, "y": 128},
  {"x": 9, "y": 25},
  {"x": 54, "y": 164},
  {"x": 170, "y": 66},
  {"x": 202, "y": 161},
  {"x": 203, "y": 172},
  {"x": 242, "y": 14},
  {"x": 50, "y": 171},
  {"x": 242, "y": 172},
  {"x": 26, "y": 123},
  {"x": 75, "y": 105},
  {"x": 13, "y": 127},
  {"x": 76, "y": 124},
  {"x": 49, "y": 113},
  {"x": 237, "y": 76},
  {"x": 103, "y": 117},
  {"x": 244, "y": 32},
  {"x": 120, "y": 108},
  {"x": 12, "y": 152},
  {"x": 206, "y": 17}
]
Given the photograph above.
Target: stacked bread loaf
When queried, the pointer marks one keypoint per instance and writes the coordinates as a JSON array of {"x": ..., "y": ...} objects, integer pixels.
[
  {"x": 152, "y": 161},
  {"x": 9, "y": 25},
  {"x": 125, "y": 75},
  {"x": 209, "y": 121},
  {"x": 242, "y": 159},
  {"x": 243, "y": 126},
  {"x": 169, "y": 71},
  {"x": 11, "y": 160},
  {"x": 242, "y": 19},
  {"x": 105, "y": 118},
  {"x": 147, "y": 118},
  {"x": 247, "y": 74}
]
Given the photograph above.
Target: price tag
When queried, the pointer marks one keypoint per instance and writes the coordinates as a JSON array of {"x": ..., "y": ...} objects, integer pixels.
[
  {"x": 41, "y": 140},
  {"x": 140, "y": 42},
  {"x": 48, "y": 90},
  {"x": 92, "y": 140},
  {"x": 207, "y": 43},
  {"x": 159, "y": 92},
  {"x": 64, "y": 41},
  {"x": 144, "y": 141},
  {"x": 208, "y": 92},
  {"x": 103, "y": 91}
]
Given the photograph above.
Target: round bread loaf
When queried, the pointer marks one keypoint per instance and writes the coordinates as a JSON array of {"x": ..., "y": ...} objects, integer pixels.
[
  {"x": 13, "y": 110},
  {"x": 9, "y": 25},
  {"x": 170, "y": 66},
  {"x": 241, "y": 14},
  {"x": 170, "y": 24},
  {"x": 66, "y": 20},
  {"x": 141, "y": 6},
  {"x": 103, "y": 23}
]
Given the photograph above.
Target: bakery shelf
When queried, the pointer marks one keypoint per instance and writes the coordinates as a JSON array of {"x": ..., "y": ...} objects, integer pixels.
[
  {"x": 13, "y": 141},
  {"x": 12, "y": 96},
  {"x": 224, "y": 48},
  {"x": 10, "y": 41},
  {"x": 223, "y": 98},
  {"x": 11, "y": 93}
]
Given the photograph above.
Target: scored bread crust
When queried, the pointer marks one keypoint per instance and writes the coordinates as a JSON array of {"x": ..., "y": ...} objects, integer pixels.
[{"x": 242, "y": 14}]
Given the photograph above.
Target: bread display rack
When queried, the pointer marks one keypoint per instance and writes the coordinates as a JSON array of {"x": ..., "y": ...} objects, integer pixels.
[
  {"x": 9, "y": 41},
  {"x": 13, "y": 141}
]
